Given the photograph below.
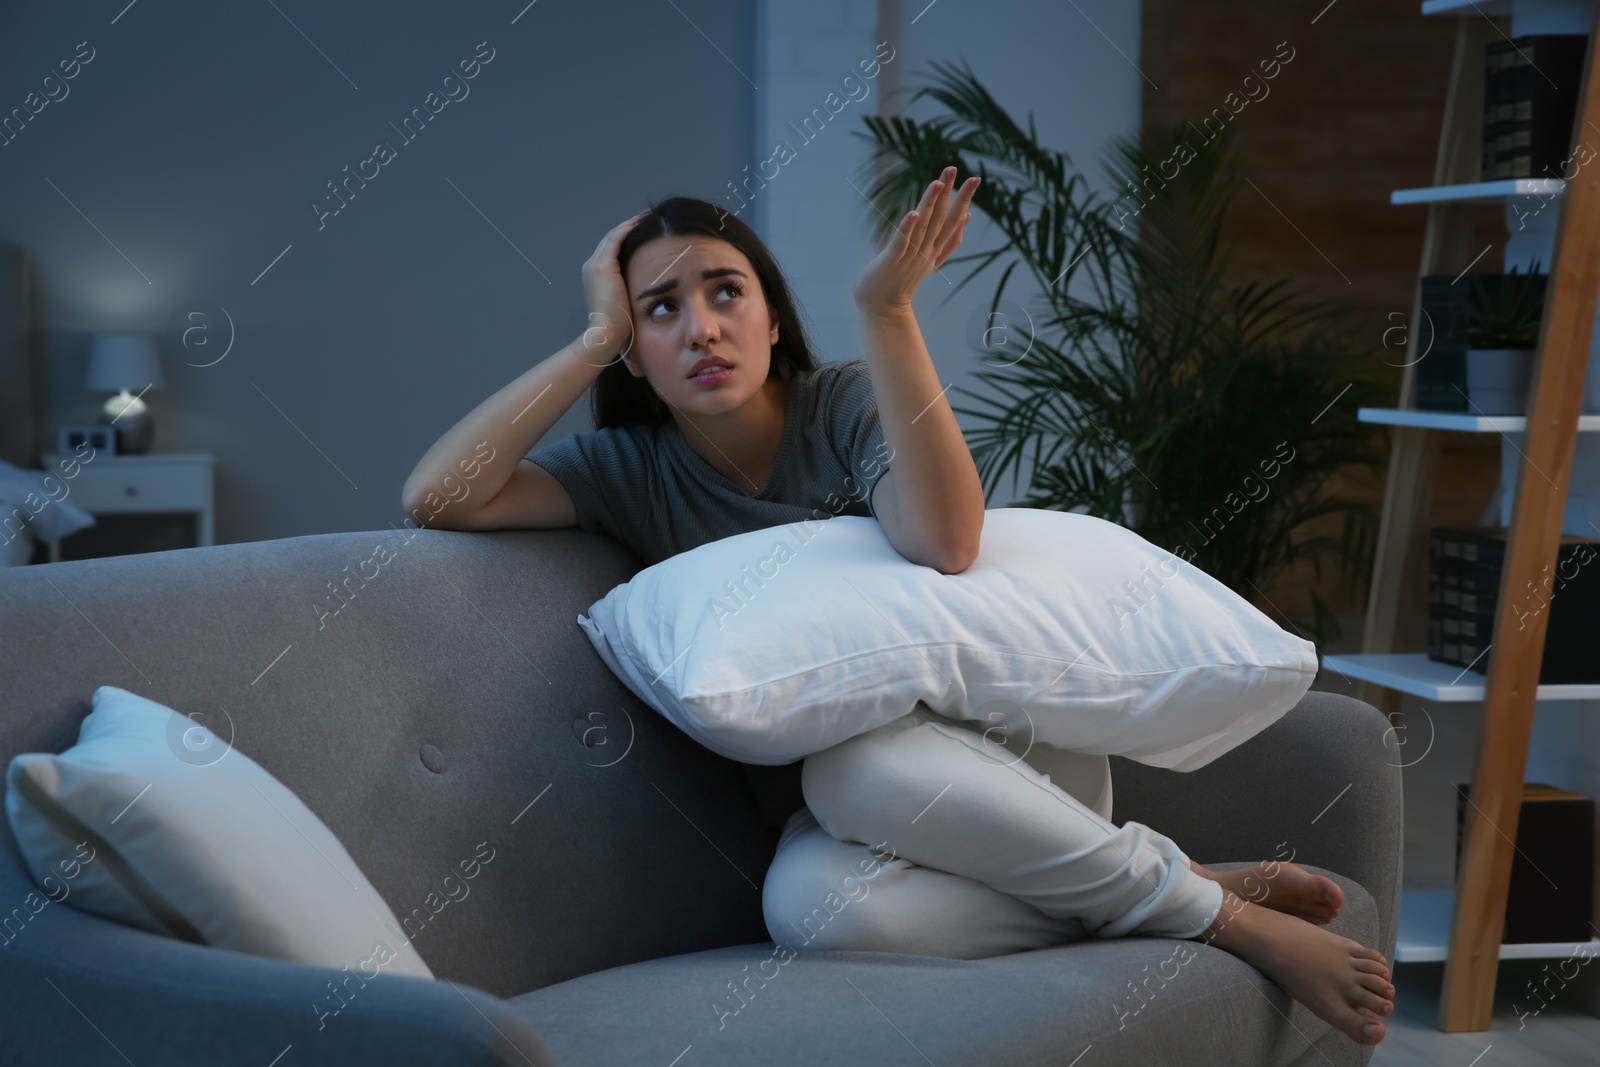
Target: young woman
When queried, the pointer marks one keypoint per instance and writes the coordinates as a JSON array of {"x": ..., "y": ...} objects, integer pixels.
[{"x": 712, "y": 419}]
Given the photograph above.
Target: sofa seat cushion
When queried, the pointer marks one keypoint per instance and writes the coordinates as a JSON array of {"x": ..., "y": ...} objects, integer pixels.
[{"x": 1201, "y": 1005}]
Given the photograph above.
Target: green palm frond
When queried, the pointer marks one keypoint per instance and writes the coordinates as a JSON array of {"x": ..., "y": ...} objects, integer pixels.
[{"x": 1152, "y": 393}]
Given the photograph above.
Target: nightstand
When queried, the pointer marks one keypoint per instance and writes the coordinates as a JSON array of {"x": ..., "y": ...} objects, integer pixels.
[{"x": 143, "y": 484}]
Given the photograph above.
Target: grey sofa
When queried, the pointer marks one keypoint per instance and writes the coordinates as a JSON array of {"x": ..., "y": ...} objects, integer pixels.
[{"x": 446, "y": 698}]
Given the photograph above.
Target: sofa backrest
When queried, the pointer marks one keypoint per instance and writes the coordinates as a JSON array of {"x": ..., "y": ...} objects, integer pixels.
[{"x": 431, "y": 697}]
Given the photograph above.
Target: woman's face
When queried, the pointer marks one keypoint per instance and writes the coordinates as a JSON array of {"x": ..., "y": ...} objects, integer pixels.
[{"x": 694, "y": 298}]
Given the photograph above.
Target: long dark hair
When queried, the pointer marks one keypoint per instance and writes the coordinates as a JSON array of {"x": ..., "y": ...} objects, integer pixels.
[{"x": 617, "y": 397}]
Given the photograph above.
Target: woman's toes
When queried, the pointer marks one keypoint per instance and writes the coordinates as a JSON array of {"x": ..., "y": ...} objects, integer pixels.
[
  {"x": 1377, "y": 984},
  {"x": 1360, "y": 1033},
  {"x": 1372, "y": 1002},
  {"x": 1354, "y": 1024},
  {"x": 1320, "y": 914}
]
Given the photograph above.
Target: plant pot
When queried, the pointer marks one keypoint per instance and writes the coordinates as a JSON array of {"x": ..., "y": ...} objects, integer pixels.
[{"x": 1498, "y": 380}]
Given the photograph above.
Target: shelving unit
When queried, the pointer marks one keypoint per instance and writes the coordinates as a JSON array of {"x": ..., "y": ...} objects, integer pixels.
[{"x": 1462, "y": 927}]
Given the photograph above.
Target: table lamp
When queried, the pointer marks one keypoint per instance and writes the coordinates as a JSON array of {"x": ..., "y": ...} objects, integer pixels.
[{"x": 118, "y": 363}]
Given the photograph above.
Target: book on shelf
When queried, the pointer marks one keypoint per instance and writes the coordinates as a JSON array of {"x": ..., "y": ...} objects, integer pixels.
[
  {"x": 1442, "y": 370},
  {"x": 1530, "y": 97},
  {"x": 1464, "y": 575},
  {"x": 1551, "y": 896}
]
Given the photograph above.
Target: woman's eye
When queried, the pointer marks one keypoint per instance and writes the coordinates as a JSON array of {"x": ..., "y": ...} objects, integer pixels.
[{"x": 738, "y": 290}]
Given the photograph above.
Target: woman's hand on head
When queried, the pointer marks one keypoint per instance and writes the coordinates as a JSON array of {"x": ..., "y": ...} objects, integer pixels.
[
  {"x": 921, "y": 243},
  {"x": 609, "y": 324}
]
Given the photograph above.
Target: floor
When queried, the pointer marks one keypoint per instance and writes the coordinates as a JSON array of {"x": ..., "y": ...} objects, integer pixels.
[{"x": 1565, "y": 1033}]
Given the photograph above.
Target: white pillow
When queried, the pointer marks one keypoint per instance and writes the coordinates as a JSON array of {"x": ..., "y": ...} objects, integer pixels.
[
  {"x": 770, "y": 645},
  {"x": 193, "y": 839}
]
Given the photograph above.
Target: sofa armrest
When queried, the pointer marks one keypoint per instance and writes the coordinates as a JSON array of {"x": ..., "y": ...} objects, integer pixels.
[
  {"x": 1324, "y": 781},
  {"x": 80, "y": 989}
]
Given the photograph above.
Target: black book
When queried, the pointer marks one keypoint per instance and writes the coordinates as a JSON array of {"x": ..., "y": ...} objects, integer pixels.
[
  {"x": 1465, "y": 568},
  {"x": 1550, "y": 897},
  {"x": 1530, "y": 92},
  {"x": 1569, "y": 591},
  {"x": 1442, "y": 370}
]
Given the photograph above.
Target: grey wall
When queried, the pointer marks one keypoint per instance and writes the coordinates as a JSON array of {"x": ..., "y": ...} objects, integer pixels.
[{"x": 186, "y": 155}]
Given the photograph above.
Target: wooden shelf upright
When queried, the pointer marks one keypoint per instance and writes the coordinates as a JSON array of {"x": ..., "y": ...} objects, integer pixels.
[{"x": 1552, "y": 424}]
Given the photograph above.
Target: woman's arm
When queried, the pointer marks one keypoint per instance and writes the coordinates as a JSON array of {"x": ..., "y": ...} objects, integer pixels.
[
  {"x": 930, "y": 502},
  {"x": 476, "y": 457},
  {"x": 932, "y": 509}
]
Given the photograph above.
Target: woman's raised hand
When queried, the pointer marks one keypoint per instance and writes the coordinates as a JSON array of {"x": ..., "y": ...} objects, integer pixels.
[
  {"x": 922, "y": 242},
  {"x": 609, "y": 329}
]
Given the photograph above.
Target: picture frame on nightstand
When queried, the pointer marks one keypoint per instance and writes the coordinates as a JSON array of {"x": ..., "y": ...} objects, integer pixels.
[{"x": 102, "y": 437}]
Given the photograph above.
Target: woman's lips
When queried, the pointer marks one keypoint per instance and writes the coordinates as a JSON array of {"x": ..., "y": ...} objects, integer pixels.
[{"x": 712, "y": 375}]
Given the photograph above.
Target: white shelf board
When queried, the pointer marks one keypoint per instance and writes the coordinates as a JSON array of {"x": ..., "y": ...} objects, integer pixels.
[
  {"x": 1492, "y": 8},
  {"x": 1496, "y": 190},
  {"x": 1415, "y": 673},
  {"x": 1537, "y": 10},
  {"x": 1451, "y": 420},
  {"x": 1424, "y": 934}
]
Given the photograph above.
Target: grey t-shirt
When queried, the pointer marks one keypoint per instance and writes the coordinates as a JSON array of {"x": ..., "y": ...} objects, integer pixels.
[{"x": 656, "y": 496}]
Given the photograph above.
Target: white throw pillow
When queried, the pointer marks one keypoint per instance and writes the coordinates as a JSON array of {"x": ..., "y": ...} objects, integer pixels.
[
  {"x": 770, "y": 645},
  {"x": 193, "y": 839}
]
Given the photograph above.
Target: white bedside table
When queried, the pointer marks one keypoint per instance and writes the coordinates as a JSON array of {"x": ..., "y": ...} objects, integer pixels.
[{"x": 145, "y": 484}]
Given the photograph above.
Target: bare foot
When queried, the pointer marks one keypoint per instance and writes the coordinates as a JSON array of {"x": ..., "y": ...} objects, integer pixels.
[
  {"x": 1331, "y": 975},
  {"x": 1285, "y": 887}
]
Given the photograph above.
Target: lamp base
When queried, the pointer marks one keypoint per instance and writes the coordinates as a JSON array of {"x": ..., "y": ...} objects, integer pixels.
[{"x": 136, "y": 432}]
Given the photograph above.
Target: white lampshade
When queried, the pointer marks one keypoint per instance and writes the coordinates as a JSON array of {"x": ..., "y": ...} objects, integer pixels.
[{"x": 124, "y": 361}]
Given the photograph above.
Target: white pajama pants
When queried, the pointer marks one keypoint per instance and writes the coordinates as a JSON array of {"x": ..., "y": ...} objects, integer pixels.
[{"x": 928, "y": 836}]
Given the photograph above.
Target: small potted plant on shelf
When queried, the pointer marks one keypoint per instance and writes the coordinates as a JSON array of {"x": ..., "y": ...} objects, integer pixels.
[{"x": 1503, "y": 317}]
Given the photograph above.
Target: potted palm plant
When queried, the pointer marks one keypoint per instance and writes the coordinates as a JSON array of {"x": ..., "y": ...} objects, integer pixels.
[
  {"x": 1503, "y": 317},
  {"x": 1215, "y": 419}
]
